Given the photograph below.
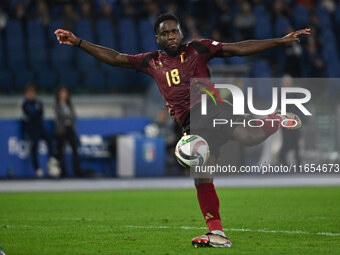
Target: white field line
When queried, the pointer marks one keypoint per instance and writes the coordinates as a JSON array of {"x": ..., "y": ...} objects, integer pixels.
[{"x": 295, "y": 232}]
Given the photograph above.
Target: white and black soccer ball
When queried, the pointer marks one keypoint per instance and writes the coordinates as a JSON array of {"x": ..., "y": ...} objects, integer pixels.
[
  {"x": 53, "y": 168},
  {"x": 192, "y": 150}
]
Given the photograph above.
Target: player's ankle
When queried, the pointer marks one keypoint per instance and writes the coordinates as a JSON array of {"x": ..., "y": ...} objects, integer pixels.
[{"x": 218, "y": 232}]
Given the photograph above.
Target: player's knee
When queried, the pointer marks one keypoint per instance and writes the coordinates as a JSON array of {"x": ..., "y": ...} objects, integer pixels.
[{"x": 248, "y": 137}]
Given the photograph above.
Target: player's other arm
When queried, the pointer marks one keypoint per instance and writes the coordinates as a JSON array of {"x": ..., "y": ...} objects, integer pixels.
[
  {"x": 101, "y": 53},
  {"x": 249, "y": 47}
]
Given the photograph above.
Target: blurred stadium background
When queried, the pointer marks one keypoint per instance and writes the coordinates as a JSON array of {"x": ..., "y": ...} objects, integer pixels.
[{"x": 29, "y": 53}]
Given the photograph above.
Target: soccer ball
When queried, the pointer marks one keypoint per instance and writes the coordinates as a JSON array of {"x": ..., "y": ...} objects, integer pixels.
[
  {"x": 192, "y": 150},
  {"x": 53, "y": 168}
]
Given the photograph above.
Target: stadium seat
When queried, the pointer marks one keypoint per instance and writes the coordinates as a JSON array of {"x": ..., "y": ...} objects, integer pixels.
[
  {"x": 35, "y": 34},
  {"x": 36, "y": 45},
  {"x": 281, "y": 26},
  {"x": 300, "y": 17},
  {"x": 84, "y": 30},
  {"x": 217, "y": 62},
  {"x": 23, "y": 77},
  {"x": 260, "y": 11},
  {"x": 263, "y": 29},
  {"x": 85, "y": 62},
  {"x": 262, "y": 85},
  {"x": 128, "y": 37},
  {"x": 52, "y": 27},
  {"x": 237, "y": 61},
  {"x": 47, "y": 79},
  {"x": 327, "y": 36},
  {"x": 6, "y": 79},
  {"x": 68, "y": 78},
  {"x": 260, "y": 69},
  {"x": 2, "y": 55},
  {"x": 105, "y": 34},
  {"x": 147, "y": 36},
  {"x": 323, "y": 17},
  {"x": 95, "y": 81},
  {"x": 56, "y": 11},
  {"x": 333, "y": 68},
  {"x": 14, "y": 2},
  {"x": 337, "y": 17},
  {"x": 263, "y": 91},
  {"x": 116, "y": 79},
  {"x": 62, "y": 57},
  {"x": 329, "y": 52},
  {"x": 15, "y": 45}
]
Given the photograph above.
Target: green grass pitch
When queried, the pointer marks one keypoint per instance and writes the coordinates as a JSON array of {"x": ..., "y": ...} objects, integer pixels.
[{"x": 260, "y": 221}]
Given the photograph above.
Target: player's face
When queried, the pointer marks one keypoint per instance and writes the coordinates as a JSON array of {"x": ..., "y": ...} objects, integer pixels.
[{"x": 169, "y": 36}]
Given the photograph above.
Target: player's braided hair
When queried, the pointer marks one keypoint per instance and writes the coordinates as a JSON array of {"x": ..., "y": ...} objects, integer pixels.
[{"x": 163, "y": 17}]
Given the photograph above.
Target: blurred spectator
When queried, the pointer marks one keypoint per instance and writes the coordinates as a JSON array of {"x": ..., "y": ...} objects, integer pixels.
[
  {"x": 69, "y": 17},
  {"x": 329, "y": 5},
  {"x": 20, "y": 12},
  {"x": 153, "y": 10},
  {"x": 245, "y": 22},
  {"x": 3, "y": 19},
  {"x": 86, "y": 11},
  {"x": 106, "y": 11},
  {"x": 290, "y": 138},
  {"x": 315, "y": 66},
  {"x": 293, "y": 54},
  {"x": 222, "y": 19},
  {"x": 165, "y": 128},
  {"x": 310, "y": 4},
  {"x": 281, "y": 8},
  {"x": 33, "y": 128},
  {"x": 42, "y": 13},
  {"x": 65, "y": 130},
  {"x": 129, "y": 11},
  {"x": 173, "y": 9},
  {"x": 192, "y": 32}
]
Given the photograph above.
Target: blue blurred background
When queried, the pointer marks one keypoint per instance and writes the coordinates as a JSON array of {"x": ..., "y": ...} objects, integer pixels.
[{"x": 29, "y": 52}]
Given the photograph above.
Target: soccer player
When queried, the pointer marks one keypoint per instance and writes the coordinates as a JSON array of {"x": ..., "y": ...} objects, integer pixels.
[{"x": 172, "y": 68}]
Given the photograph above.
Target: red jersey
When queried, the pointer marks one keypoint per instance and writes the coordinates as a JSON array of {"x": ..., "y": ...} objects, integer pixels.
[{"x": 173, "y": 74}]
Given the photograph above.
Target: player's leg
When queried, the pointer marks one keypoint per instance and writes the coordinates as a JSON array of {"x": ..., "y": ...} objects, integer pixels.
[
  {"x": 206, "y": 193},
  {"x": 209, "y": 204},
  {"x": 250, "y": 135}
]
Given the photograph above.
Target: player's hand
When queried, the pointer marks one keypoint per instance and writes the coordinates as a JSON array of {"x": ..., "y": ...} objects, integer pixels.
[
  {"x": 294, "y": 36},
  {"x": 66, "y": 37}
]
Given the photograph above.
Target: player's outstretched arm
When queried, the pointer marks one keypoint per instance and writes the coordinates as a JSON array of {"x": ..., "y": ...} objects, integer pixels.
[
  {"x": 249, "y": 47},
  {"x": 103, "y": 54}
]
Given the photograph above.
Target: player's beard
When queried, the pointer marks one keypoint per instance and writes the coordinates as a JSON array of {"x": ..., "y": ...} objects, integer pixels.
[{"x": 173, "y": 53}]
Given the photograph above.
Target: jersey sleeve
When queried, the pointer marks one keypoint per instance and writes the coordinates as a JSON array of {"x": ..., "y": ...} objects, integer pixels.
[
  {"x": 207, "y": 48},
  {"x": 140, "y": 62}
]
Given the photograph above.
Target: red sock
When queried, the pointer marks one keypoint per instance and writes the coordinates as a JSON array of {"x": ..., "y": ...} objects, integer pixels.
[
  {"x": 270, "y": 127},
  {"x": 209, "y": 204}
]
